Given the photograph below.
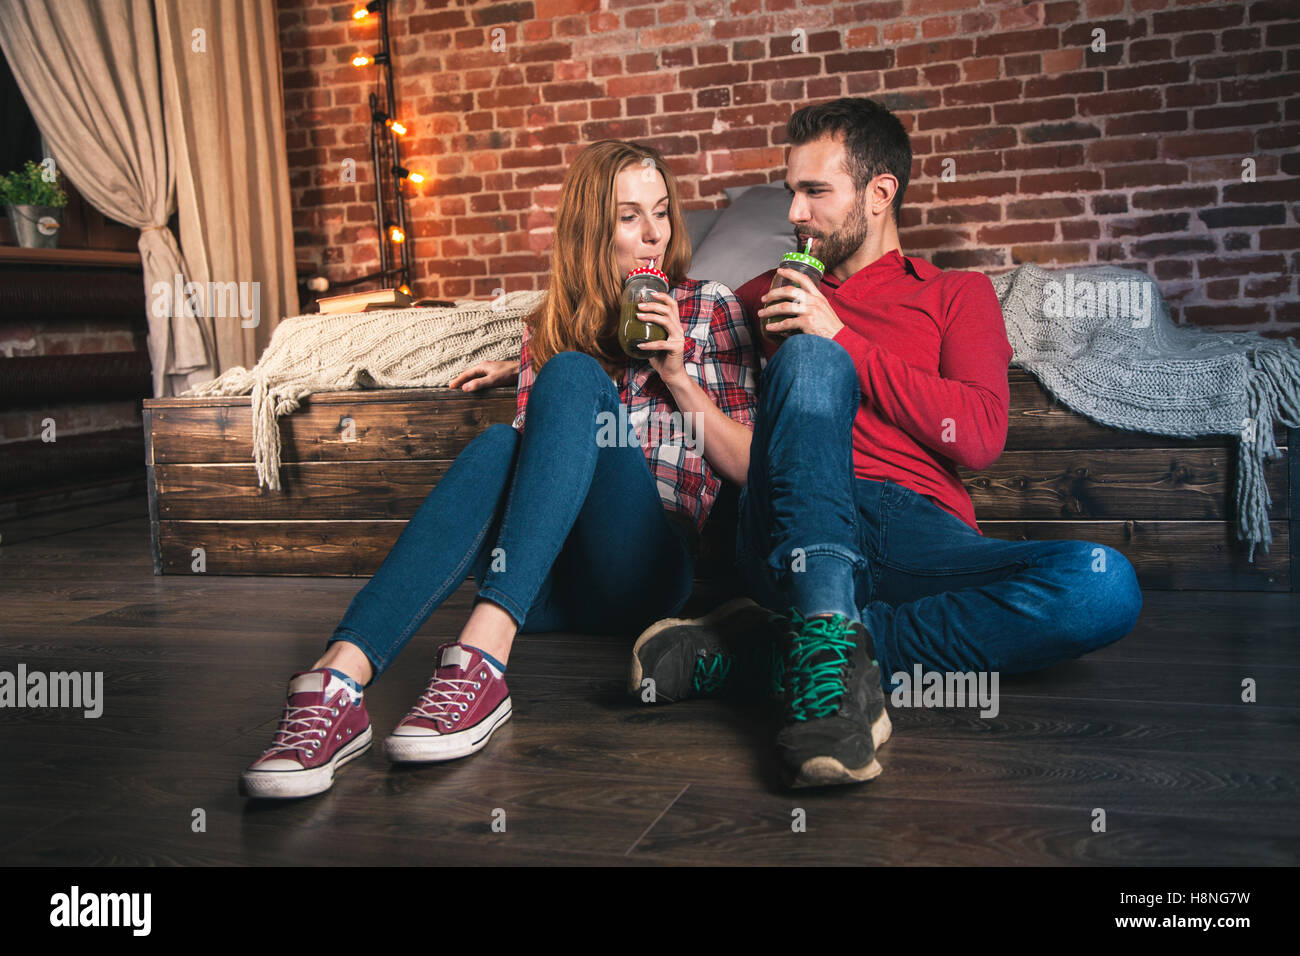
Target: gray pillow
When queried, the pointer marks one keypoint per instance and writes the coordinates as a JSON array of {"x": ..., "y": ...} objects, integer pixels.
[
  {"x": 698, "y": 224},
  {"x": 749, "y": 237},
  {"x": 734, "y": 191}
]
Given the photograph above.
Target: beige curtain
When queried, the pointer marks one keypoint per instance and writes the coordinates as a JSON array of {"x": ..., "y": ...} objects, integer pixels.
[
  {"x": 225, "y": 125},
  {"x": 89, "y": 73},
  {"x": 147, "y": 103}
]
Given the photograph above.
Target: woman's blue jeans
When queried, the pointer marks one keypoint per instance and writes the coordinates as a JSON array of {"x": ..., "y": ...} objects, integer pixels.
[
  {"x": 560, "y": 532},
  {"x": 930, "y": 589}
]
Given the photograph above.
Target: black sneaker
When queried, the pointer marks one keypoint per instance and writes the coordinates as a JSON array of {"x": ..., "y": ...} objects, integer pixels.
[
  {"x": 733, "y": 649},
  {"x": 835, "y": 714}
]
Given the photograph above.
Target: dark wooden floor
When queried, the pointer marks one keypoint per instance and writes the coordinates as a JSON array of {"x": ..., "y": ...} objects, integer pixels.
[{"x": 1151, "y": 729}]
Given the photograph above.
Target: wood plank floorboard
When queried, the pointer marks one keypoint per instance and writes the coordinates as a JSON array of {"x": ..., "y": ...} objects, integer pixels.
[{"x": 1151, "y": 729}]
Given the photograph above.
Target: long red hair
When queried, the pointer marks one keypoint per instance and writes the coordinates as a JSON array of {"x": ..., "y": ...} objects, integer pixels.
[{"x": 580, "y": 311}]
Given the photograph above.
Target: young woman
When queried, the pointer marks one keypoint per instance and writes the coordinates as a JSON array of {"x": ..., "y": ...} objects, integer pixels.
[{"x": 561, "y": 527}]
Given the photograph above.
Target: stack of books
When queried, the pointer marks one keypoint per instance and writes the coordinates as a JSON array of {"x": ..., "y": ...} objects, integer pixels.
[{"x": 374, "y": 301}]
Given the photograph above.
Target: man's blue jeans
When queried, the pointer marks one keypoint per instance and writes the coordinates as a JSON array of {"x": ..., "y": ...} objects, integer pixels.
[
  {"x": 930, "y": 589},
  {"x": 560, "y": 532}
]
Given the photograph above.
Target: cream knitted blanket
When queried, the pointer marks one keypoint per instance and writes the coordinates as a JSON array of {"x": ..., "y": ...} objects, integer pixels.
[
  {"x": 1101, "y": 340},
  {"x": 393, "y": 348}
]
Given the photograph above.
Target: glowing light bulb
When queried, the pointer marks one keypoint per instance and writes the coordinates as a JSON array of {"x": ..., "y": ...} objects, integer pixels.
[
  {"x": 361, "y": 60},
  {"x": 416, "y": 177},
  {"x": 404, "y": 289},
  {"x": 396, "y": 127},
  {"x": 360, "y": 13},
  {"x": 396, "y": 234}
]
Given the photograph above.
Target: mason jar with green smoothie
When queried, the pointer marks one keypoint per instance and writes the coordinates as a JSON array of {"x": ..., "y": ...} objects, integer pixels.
[
  {"x": 633, "y": 330},
  {"x": 795, "y": 262}
]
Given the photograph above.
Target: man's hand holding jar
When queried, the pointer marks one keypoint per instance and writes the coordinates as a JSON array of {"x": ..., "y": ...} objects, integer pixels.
[{"x": 795, "y": 303}]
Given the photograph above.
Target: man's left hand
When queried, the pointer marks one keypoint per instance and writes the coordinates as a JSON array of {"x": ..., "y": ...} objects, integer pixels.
[{"x": 802, "y": 308}]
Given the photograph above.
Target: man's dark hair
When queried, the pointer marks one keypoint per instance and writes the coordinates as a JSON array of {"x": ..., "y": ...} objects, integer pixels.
[{"x": 874, "y": 140}]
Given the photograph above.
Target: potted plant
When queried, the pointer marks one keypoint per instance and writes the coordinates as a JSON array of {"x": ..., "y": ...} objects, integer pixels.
[{"x": 34, "y": 204}]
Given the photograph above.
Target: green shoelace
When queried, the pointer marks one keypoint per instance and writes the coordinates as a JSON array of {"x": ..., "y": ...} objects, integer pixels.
[
  {"x": 820, "y": 652},
  {"x": 711, "y": 673},
  {"x": 765, "y": 667}
]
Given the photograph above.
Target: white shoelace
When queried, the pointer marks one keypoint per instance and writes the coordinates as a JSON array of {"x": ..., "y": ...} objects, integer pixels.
[
  {"x": 438, "y": 701},
  {"x": 300, "y": 741}
]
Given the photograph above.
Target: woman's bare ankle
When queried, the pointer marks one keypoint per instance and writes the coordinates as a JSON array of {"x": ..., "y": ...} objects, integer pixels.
[
  {"x": 349, "y": 659},
  {"x": 491, "y": 629}
]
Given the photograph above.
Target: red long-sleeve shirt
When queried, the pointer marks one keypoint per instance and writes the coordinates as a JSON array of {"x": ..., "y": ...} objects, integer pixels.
[{"x": 931, "y": 351}]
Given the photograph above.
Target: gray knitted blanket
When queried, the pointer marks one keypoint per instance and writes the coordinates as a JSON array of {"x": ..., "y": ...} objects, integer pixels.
[{"x": 1101, "y": 340}]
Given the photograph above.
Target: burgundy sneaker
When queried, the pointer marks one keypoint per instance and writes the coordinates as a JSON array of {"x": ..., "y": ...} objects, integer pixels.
[
  {"x": 457, "y": 714},
  {"x": 321, "y": 730}
]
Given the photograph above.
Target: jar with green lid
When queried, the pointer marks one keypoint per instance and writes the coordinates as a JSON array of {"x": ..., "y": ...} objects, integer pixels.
[
  {"x": 796, "y": 262},
  {"x": 633, "y": 330}
]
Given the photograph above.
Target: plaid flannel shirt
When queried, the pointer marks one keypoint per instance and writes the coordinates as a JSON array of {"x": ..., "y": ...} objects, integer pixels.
[{"x": 720, "y": 356}]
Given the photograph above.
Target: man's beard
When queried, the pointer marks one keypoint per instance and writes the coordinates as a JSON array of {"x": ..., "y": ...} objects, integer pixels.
[{"x": 838, "y": 246}]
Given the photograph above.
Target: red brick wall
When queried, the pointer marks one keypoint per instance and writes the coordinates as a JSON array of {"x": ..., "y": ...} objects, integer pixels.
[{"x": 1062, "y": 155}]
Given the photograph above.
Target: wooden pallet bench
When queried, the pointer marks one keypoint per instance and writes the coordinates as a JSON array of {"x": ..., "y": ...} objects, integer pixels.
[{"x": 356, "y": 466}]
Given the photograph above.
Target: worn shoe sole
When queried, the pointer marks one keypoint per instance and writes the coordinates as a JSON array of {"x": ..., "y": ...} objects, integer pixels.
[
  {"x": 282, "y": 784},
  {"x": 430, "y": 748},
  {"x": 827, "y": 771},
  {"x": 637, "y": 671}
]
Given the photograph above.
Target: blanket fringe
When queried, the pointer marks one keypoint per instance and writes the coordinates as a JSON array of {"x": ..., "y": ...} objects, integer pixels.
[{"x": 1273, "y": 386}]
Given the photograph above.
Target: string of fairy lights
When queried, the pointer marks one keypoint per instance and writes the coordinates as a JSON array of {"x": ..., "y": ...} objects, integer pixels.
[{"x": 386, "y": 130}]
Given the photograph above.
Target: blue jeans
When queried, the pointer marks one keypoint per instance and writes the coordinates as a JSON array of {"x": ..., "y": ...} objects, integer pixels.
[
  {"x": 560, "y": 532},
  {"x": 930, "y": 589}
]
